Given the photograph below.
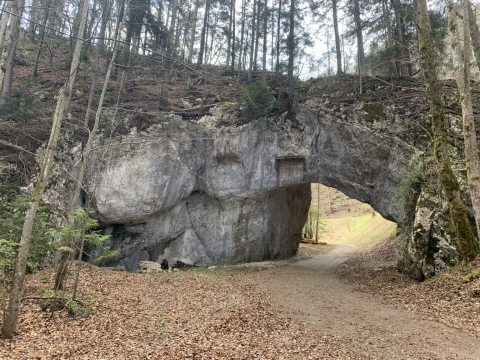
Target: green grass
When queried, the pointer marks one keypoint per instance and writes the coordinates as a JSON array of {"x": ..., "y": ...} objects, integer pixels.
[{"x": 363, "y": 230}]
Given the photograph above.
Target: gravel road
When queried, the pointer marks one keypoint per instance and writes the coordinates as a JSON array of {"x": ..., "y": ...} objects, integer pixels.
[{"x": 310, "y": 290}]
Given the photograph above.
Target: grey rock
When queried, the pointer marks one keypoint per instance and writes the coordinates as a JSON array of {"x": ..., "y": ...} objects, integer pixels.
[
  {"x": 148, "y": 267},
  {"x": 207, "y": 194}
]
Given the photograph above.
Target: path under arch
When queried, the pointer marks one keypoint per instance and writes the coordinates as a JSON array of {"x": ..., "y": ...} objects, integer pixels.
[{"x": 310, "y": 290}]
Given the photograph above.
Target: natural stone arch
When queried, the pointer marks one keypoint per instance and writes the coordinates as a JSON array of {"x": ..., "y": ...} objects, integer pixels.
[{"x": 207, "y": 195}]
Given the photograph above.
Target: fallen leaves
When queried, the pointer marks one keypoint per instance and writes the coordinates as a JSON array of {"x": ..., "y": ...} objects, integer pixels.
[
  {"x": 200, "y": 314},
  {"x": 442, "y": 298}
]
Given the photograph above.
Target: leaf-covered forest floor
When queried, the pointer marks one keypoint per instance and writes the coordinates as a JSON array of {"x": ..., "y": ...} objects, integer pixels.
[
  {"x": 442, "y": 298},
  {"x": 227, "y": 313},
  {"x": 218, "y": 313}
]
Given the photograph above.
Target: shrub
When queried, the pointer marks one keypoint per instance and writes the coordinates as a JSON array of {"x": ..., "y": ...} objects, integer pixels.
[
  {"x": 81, "y": 227},
  {"x": 12, "y": 217},
  {"x": 408, "y": 188},
  {"x": 256, "y": 100}
]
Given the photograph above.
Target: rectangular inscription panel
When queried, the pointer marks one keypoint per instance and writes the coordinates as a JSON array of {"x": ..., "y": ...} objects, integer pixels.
[{"x": 289, "y": 171}]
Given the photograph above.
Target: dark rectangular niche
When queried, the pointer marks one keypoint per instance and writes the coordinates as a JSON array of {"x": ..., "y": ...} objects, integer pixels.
[{"x": 289, "y": 170}]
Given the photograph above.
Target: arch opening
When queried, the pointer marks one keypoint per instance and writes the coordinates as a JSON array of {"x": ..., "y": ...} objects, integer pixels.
[{"x": 335, "y": 218}]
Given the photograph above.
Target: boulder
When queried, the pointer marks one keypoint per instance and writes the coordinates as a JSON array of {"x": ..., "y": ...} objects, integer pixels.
[{"x": 148, "y": 267}]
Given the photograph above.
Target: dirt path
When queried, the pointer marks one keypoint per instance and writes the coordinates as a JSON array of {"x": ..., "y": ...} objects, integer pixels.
[{"x": 310, "y": 290}]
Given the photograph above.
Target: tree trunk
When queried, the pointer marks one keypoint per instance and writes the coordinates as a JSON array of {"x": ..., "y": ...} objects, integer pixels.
[
  {"x": 80, "y": 254},
  {"x": 338, "y": 50},
  {"x": 178, "y": 33},
  {"x": 229, "y": 35},
  {"x": 186, "y": 29},
  {"x": 388, "y": 30},
  {"x": 358, "y": 31},
  {"x": 318, "y": 211},
  {"x": 463, "y": 231},
  {"x": 272, "y": 39},
  {"x": 160, "y": 11},
  {"x": 211, "y": 30},
  {"x": 12, "y": 49},
  {"x": 62, "y": 272},
  {"x": 92, "y": 20},
  {"x": 77, "y": 52},
  {"x": 462, "y": 69},
  {"x": 265, "y": 18},
  {"x": 233, "y": 36},
  {"x": 252, "y": 46},
  {"x": 11, "y": 314},
  {"x": 205, "y": 51},
  {"x": 96, "y": 68},
  {"x": 171, "y": 32},
  {"x": 168, "y": 14},
  {"x": 204, "y": 31},
  {"x": 404, "y": 68},
  {"x": 64, "y": 259},
  {"x": 474, "y": 33},
  {"x": 4, "y": 38},
  {"x": 257, "y": 36},
  {"x": 40, "y": 41},
  {"x": 277, "y": 65},
  {"x": 241, "y": 42},
  {"x": 328, "y": 53},
  {"x": 31, "y": 25},
  {"x": 291, "y": 50},
  {"x": 194, "y": 29}
]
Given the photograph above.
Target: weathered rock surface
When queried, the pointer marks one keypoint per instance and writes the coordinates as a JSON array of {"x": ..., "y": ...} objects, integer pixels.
[
  {"x": 148, "y": 267},
  {"x": 206, "y": 195}
]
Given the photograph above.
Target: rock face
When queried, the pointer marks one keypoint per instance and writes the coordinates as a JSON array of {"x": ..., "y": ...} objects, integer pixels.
[{"x": 220, "y": 195}]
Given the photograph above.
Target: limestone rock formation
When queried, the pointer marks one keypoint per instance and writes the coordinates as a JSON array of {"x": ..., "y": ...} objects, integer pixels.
[
  {"x": 206, "y": 193},
  {"x": 221, "y": 195},
  {"x": 148, "y": 267}
]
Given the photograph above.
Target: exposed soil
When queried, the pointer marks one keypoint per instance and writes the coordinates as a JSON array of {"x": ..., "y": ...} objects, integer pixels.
[
  {"x": 312, "y": 291},
  {"x": 295, "y": 309},
  {"x": 444, "y": 298}
]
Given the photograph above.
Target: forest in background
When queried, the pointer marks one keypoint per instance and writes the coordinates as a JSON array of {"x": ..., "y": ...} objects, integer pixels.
[{"x": 343, "y": 220}]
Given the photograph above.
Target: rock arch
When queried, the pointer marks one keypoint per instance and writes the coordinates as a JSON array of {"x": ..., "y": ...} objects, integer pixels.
[{"x": 219, "y": 195}]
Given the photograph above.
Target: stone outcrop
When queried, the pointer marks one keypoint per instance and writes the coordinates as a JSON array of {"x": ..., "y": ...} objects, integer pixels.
[{"x": 208, "y": 195}]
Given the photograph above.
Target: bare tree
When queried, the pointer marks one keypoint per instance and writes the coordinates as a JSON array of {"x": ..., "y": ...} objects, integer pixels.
[
  {"x": 265, "y": 18},
  {"x": 252, "y": 46},
  {"x": 359, "y": 33},
  {"x": 233, "y": 34},
  {"x": 388, "y": 30},
  {"x": 242, "y": 33},
  {"x": 463, "y": 231},
  {"x": 474, "y": 32},
  {"x": 77, "y": 52},
  {"x": 4, "y": 39},
  {"x": 13, "y": 309},
  {"x": 338, "y": 50},
  {"x": 279, "y": 16},
  {"x": 194, "y": 29},
  {"x": 404, "y": 69},
  {"x": 204, "y": 31},
  {"x": 40, "y": 40},
  {"x": 229, "y": 35},
  {"x": 291, "y": 50},
  {"x": 461, "y": 61},
  {"x": 65, "y": 256},
  {"x": 17, "y": 9}
]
